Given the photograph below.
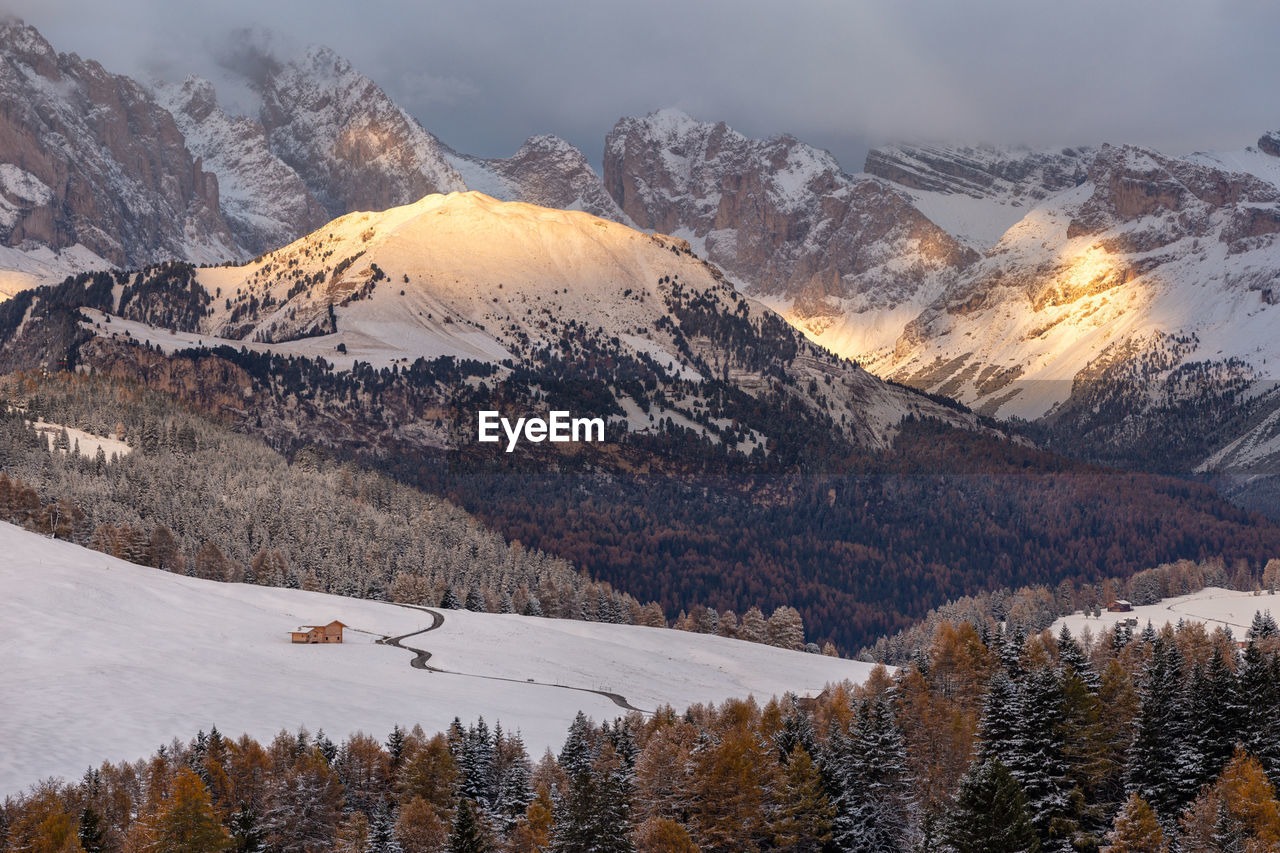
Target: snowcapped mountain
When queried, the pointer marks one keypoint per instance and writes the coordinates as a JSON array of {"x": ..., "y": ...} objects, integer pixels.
[
  {"x": 976, "y": 193},
  {"x": 78, "y": 193},
  {"x": 353, "y": 146},
  {"x": 1152, "y": 260},
  {"x": 848, "y": 259},
  {"x": 1115, "y": 294},
  {"x": 263, "y": 199},
  {"x": 467, "y": 276},
  {"x": 90, "y": 162}
]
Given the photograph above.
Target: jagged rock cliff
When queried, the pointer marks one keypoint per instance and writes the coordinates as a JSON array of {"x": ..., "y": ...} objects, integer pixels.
[
  {"x": 264, "y": 200},
  {"x": 89, "y": 158}
]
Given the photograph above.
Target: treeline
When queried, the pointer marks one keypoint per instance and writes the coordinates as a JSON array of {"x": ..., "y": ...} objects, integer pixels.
[
  {"x": 194, "y": 498},
  {"x": 1030, "y": 609},
  {"x": 988, "y": 743}
]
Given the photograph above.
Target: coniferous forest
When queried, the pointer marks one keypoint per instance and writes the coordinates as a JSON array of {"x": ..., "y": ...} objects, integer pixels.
[{"x": 1155, "y": 741}]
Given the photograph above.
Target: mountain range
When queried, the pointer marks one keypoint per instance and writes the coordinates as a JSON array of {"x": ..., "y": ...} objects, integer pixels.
[
  {"x": 1103, "y": 293},
  {"x": 821, "y": 388}
]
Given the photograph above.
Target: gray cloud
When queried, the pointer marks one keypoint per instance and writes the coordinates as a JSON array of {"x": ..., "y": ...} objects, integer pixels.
[{"x": 485, "y": 74}]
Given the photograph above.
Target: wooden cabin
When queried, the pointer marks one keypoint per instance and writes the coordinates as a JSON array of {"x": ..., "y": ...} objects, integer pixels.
[
  {"x": 331, "y": 633},
  {"x": 1119, "y": 606}
]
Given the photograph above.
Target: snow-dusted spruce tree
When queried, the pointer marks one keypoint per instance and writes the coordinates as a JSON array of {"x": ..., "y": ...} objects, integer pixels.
[{"x": 1161, "y": 768}]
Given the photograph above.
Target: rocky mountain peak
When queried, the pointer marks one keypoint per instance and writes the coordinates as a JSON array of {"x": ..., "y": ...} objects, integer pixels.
[
  {"x": 352, "y": 145},
  {"x": 88, "y": 157},
  {"x": 1131, "y": 183},
  {"x": 981, "y": 171},
  {"x": 784, "y": 220},
  {"x": 20, "y": 41},
  {"x": 266, "y": 203}
]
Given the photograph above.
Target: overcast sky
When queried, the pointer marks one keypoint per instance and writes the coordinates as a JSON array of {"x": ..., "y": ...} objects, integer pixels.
[{"x": 485, "y": 74}]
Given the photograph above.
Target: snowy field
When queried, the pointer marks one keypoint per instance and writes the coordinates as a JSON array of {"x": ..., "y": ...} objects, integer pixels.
[
  {"x": 1212, "y": 605},
  {"x": 105, "y": 660},
  {"x": 89, "y": 443}
]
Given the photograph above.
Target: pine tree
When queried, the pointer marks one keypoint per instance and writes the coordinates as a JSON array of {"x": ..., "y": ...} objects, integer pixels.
[
  {"x": 874, "y": 810},
  {"x": 395, "y": 746},
  {"x": 382, "y": 834},
  {"x": 477, "y": 766},
  {"x": 449, "y": 600},
  {"x": 327, "y": 748},
  {"x": 592, "y": 813},
  {"x": 90, "y": 832},
  {"x": 467, "y": 836},
  {"x": 1039, "y": 761},
  {"x": 990, "y": 813},
  {"x": 796, "y": 731},
  {"x": 1073, "y": 660},
  {"x": 1258, "y": 695},
  {"x": 1157, "y": 760},
  {"x": 1212, "y": 720},
  {"x": 245, "y": 835},
  {"x": 999, "y": 731}
]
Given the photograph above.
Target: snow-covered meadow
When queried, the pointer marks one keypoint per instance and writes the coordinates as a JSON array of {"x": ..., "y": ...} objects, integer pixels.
[
  {"x": 106, "y": 660},
  {"x": 1213, "y": 606}
]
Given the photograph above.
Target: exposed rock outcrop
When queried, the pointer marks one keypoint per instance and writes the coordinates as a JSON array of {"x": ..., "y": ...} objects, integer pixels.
[
  {"x": 778, "y": 215},
  {"x": 264, "y": 200},
  {"x": 88, "y": 157},
  {"x": 352, "y": 145}
]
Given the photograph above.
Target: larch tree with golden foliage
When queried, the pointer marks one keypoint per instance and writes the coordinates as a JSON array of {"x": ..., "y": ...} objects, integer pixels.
[
  {"x": 1239, "y": 812},
  {"x": 1136, "y": 830},
  {"x": 187, "y": 823}
]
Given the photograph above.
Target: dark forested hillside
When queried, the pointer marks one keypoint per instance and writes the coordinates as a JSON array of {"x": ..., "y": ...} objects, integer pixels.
[{"x": 862, "y": 554}]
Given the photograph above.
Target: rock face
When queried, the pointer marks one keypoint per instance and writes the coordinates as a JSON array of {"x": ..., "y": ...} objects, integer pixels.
[
  {"x": 89, "y": 158},
  {"x": 784, "y": 220},
  {"x": 352, "y": 145},
  {"x": 546, "y": 171},
  {"x": 265, "y": 202},
  {"x": 1269, "y": 143},
  {"x": 980, "y": 171},
  {"x": 1188, "y": 198}
]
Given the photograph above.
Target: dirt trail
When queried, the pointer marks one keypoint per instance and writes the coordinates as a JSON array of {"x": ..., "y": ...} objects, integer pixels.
[{"x": 421, "y": 656}]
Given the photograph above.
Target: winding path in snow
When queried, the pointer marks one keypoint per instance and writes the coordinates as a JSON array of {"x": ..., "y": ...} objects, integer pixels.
[{"x": 421, "y": 656}]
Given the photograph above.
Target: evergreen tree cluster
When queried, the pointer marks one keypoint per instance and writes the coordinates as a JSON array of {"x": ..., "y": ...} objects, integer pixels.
[
  {"x": 986, "y": 742},
  {"x": 195, "y": 498}
]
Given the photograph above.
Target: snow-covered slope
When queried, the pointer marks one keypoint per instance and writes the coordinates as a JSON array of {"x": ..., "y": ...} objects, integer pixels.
[
  {"x": 468, "y": 276},
  {"x": 976, "y": 193},
  {"x": 105, "y": 659},
  {"x": 25, "y": 268},
  {"x": 1213, "y": 607},
  {"x": 1152, "y": 259},
  {"x": 263, "y": 199}
]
